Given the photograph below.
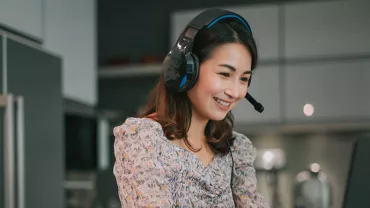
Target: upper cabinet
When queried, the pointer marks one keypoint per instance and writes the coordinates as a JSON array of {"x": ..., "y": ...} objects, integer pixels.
[
  {"x": 67, "y": 28},
  {"x": 262, "y": 19},
  {"x": 23, "y": 16},
  {"x": 70, "y": 30},
  {"x": 329, "y": 28},
  {"x": 325, "y": 75},
  {"x": 337, "y": 91}
]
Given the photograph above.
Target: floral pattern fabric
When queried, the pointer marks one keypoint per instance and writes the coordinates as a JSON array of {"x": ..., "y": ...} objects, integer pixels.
[{"x": 152, "y": 172}]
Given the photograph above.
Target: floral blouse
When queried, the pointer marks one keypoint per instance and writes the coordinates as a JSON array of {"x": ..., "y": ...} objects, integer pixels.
[{"x": 152, "y": 172}]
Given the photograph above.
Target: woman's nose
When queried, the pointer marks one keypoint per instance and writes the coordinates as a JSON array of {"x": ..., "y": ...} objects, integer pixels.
[{"x": 233, "y": 91}]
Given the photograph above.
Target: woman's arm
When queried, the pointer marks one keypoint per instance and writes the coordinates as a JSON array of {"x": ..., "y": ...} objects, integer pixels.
[
  {"x": 139, "y": 176},
  {"x": 244, "y": 180}
]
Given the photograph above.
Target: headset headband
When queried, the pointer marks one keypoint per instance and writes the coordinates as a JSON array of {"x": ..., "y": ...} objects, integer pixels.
[
  {"x": 205, "y": 19},
  {"x": 209, "y": 17}
]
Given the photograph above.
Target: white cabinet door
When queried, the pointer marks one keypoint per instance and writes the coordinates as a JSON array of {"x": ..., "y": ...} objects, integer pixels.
[
  {"x": 329, "y": 28},
  {"x": 23, "y": 16},
  {"x": 337, "y": 90},
  {"x": 265, "y": 88},
  {"x": 262, "y": 19}
]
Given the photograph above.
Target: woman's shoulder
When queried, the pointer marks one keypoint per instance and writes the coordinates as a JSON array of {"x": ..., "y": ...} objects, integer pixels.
[
  {"x": 137, "y": 139},
  {"x": 243, "y": 148},
  {"x": 134, "y": 127},
  {"x": 241, "y": 139}
]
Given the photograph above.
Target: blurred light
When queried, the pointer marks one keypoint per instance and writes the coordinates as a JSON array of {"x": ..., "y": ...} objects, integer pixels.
[
  {"x": 322, "y": 177},
  {"x": 315, "y": 167},
  {"x": 268, "y": 158},
  {"x": 302, "y": 176},
  {"x": 308, "y": 109}
]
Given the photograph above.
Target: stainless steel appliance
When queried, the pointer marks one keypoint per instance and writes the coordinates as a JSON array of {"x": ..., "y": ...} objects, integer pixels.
[
  {"x": 13, "y": 150},
  {"x": 31, "y": 125}
]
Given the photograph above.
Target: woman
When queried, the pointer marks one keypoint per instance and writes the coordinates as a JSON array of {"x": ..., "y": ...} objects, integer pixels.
[{"x": 181, "y": 151}]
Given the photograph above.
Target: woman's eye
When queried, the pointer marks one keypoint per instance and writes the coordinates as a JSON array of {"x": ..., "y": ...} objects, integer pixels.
[
  {"x": 245, "y": 79},
  {"x": 224, "y": 74}
]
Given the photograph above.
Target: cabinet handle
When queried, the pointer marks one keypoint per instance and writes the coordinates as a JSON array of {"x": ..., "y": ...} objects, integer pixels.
[
  {"x": 9, "y": 192},
  {"x": 8, "y": 102},
  {"x": 20, "y": 151}
]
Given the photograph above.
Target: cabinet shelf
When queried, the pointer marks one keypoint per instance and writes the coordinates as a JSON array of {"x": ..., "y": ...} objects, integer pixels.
[{"x": 132, "y": 70}]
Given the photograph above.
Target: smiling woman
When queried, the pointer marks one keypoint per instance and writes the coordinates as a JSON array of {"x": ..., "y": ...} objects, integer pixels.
[
  {"x": 223, "y": 78},
  {"x": 181, "y": 150}
]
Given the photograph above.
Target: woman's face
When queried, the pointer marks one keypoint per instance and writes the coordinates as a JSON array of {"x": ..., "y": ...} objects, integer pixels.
[{"x": 223, "y": 81}]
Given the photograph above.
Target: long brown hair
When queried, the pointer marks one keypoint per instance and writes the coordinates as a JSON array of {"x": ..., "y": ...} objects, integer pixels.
[{"x": 174, "y": 110}]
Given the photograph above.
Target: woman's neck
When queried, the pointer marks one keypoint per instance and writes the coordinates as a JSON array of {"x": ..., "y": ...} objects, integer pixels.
[{"x": 196, "y": 131}]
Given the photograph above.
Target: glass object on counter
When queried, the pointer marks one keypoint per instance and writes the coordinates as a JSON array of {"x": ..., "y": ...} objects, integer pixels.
[{"x": 312, "y": 189}]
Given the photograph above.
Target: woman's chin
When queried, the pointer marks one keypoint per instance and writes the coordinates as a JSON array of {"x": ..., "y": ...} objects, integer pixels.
[{"x": 217, "y": 116}]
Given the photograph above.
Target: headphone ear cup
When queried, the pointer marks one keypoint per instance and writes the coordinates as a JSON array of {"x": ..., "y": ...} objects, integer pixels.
[
  {"x": 194, "y": 74},
  {"x": 174, "y": 70}
]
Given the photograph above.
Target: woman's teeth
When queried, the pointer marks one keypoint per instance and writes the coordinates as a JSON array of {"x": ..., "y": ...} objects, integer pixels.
[{"x": 222, "y": 102}]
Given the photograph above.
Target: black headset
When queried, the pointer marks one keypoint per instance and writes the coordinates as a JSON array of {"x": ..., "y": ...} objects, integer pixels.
[{"x": 181, "y": 66}]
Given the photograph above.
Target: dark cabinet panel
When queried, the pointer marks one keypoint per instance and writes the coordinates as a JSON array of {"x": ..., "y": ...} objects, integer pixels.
[{"x": 36, "y": 75}]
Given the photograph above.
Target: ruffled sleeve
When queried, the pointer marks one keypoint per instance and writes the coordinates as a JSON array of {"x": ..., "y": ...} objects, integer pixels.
[
  {"x": 244, "y": 182},
  {"x": 139, "y": 175}
]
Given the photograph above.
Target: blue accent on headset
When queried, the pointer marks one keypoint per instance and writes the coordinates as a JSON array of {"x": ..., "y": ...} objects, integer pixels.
[
  {"x": 228, "y": 16},
  {"x": 183, "y": 80}
]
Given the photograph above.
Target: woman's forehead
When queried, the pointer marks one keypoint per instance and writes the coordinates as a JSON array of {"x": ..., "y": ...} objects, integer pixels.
[{"x": 234, "y": 55}]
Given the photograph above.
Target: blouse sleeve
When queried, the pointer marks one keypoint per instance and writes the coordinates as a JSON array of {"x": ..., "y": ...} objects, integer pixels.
[
  {"x": 138, "y": 173},
  {"x": 244, "y": 182}
]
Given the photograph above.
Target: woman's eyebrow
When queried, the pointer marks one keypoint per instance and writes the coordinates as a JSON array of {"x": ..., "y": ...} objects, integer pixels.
[{"x": 234, "y": 69}]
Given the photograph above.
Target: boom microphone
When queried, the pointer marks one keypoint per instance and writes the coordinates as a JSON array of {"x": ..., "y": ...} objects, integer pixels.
[{"x": 257, "y": 106}]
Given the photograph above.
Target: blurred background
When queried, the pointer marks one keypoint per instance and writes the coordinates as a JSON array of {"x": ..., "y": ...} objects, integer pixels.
[{"x": 72, "y": 70}]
